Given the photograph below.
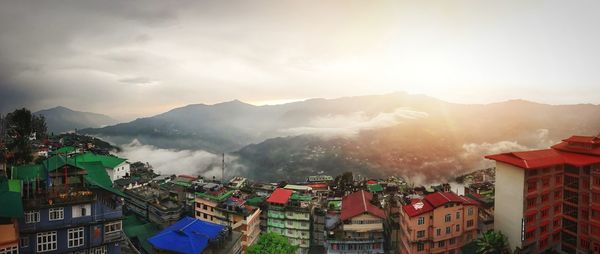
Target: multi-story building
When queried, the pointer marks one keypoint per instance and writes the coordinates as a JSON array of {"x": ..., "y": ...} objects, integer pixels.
[
  {"x": 441, "y": 222},
  {"x": 221, "y": 207},
  {"x": 154, "y": 205},
  {"x": 549, "y": 199},
  {"x": 362, "y": 226},
  {"x": 191, "y": 235},
  {"x": 10, "y": 210},
  {"x": 69, "y": 207},
  {"x": 116, "y": 167},
  {"x": 289, "y": 214}
]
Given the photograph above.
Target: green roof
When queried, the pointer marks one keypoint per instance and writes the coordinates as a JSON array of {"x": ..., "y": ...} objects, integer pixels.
[
  {"x": 96, "y": 175},
  {"x": 337, "y": 204},
  {"x": 135, "y": 228},
  {"x": 374, "y": 187},
  {"x": 64, "y": 150},
  {"x": 297, "y": 196},
  {"x": 219, "y": 198},
  {"x": 255, "y": 200},
  {"x": 12, "y": 205},
  {"x": 28, "y": 172},
  {"x": 108, "y": 161}
]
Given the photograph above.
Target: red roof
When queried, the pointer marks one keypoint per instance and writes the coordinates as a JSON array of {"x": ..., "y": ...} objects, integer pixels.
[
  {"x": 566, "y": 147},
  {"x": 434, "y": 200},
  {"x": 438, "y": 199},
  {"x": 529, "y": 159},
  {"x": 359, "y": 203},
  {"x": 562, "y": 153},
  {"x": 280, "y": 196},
  {"x": 583, "y": 139},
  {"x": 318, "y": 186},
  {"x": 371, "y": 182},
  {"x": 417, "y": 207}
]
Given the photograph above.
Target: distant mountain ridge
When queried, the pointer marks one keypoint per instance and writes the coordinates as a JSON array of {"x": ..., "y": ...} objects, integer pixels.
[
  {"x": 373, "y": 135},
  {"x": 61, "y": 119}
]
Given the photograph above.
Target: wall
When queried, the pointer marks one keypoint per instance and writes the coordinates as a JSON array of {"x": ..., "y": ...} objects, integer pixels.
[{"x": 508, "y": 206}]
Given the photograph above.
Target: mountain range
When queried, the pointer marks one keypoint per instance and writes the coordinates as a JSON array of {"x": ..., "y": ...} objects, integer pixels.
[
  {"x": 399, "y": 133},
  {"x": 62, "y": 119}
]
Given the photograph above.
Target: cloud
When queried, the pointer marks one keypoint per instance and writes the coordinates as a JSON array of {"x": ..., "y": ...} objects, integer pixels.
[
  {"x": 352, "y": 124},
  {"x": 191, "y": 162}
]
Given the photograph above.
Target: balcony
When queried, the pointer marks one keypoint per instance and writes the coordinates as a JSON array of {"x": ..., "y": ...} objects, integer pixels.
[{"x": 59, "y": 197}]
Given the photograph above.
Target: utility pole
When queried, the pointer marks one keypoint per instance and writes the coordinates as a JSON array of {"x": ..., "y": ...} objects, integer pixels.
[{"x": 223, "y": 170}]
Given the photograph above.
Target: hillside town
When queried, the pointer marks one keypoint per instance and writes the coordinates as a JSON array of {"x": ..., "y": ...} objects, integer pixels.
[{"x": 76, "y": 197}]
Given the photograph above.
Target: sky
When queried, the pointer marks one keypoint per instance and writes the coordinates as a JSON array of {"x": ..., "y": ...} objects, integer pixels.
[{"x": 129, "y": 59}]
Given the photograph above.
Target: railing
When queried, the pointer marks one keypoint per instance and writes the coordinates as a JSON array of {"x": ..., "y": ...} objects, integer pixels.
[{"x": 58, "y": 197}]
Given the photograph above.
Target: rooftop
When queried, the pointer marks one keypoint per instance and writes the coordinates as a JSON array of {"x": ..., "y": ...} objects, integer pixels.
[
  {"x": 280, "y": 196},
  {"x": 359, "y": 203},
  {"x": 188, "y": 235},
  {"x": 435, "y": 200}
]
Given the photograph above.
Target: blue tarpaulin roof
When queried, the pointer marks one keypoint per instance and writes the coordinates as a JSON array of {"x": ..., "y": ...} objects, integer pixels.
[{"x": 188, "y": 235}]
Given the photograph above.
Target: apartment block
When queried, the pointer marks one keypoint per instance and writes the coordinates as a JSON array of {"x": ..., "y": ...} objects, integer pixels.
[
  {"x": 550, "y": 199},
  {"x": 441, "y": 222},
  {"x": 289, "y": 214}
]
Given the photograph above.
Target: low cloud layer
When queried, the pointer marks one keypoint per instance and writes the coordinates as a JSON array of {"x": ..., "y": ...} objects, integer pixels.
[
  {"x": 191, "y": 162},
  {"x": 352, "y": 124}
]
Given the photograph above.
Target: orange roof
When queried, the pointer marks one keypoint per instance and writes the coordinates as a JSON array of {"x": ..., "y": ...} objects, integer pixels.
[{"x": 8, "y": 235}]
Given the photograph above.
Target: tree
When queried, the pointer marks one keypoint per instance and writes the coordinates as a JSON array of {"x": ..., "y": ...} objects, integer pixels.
[
  {"x": 38, "y": 125},
  {"x": 19, "y": 128},
  {"x": 492, "y": 243},
  {"x": 272, "y": 243}
]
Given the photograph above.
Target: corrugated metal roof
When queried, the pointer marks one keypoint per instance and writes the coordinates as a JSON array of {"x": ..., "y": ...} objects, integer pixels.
[{"x": 188, "y": 235}]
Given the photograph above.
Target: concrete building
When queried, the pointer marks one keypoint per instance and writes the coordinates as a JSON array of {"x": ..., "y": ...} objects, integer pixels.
[
  {"x": 69, "y": 207},
  {"x": 289, "y": 214},
  {"x": 441, "y": 222},
  {"x": 222, "y": 208},
  {"x": 549, "y": 199},
  {"x": 361, "y": 228},
  {"x": 153, "y": 205},
  {"x": 116, "y": 167}
]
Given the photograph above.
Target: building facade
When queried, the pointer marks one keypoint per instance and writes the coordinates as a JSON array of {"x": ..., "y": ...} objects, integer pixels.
[
  {"x": 441, "y": 222},
  {"x": 362, "y": 226},
  {"x": 550, "y": 199},
  {"x": 289, "y": 214}
]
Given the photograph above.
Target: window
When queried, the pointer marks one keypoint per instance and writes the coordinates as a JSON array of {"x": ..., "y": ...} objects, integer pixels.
[
  {"x": 558, "y": 179},
  {"x": 546, "y": 182},
  {"x": 469, "y": 223},
  {"x": 112, "y": 227},
  {"x": 24, "y": 241},
  {"x": 204, "y": 207},
  {"x": 457, "y": 215},
  {"x": 439, "y": 231},
  {"x": 544, "y": 213},
  {"x": 531, "y": 186},
  {"x": 452, "y": 241},
  {"x": 420, "y": 247},
  {"x": 98, "y": 250},
  {"x": 10, "y": 250},
  {"x": 557, "y": 194},
  {"x": 470, "y": 211},
  {"x": 457, "y": 227},
  {"x": 32, "y": 216},
  {"x": 545, "y": 198},
  {"x": 441, "y": 243},
  {"x": 448, "y": 230},
  {"x": 56, "y": 213},
  {"x": 447, "y": 218},
  {"x": 420, "y": 233},
  {"x": 421, "y": 221},
  {"x": 46, "y": 241},
  {"x": 557, "y": 209},
  {"x": 81, "y": 210},
  {"x": 531, "y": 202},
  {"x": 75, "y": 237}
]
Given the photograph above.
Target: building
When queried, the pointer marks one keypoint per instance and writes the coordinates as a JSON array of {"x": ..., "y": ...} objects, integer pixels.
[
  {"x": 289, "y": 214},
  {"x": 441, "y": 222},
  {"x": 10, "y": 211},
  {"x": 195, "y": 236},
  {"x": 237, "y": 183},
  {"x": 319, "y": 179},
  {"x": 549, "y": 199},
  {"x": 362, "y": 226},
  {"x": 221, "y": 207},
  {"x": 116, "y": 167},
  {"x": 68, "y": 207},
  {"x": 153, "y": 205}
]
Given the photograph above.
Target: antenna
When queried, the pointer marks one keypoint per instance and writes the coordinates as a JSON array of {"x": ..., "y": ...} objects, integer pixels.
[{"x": 223, "y": 170}]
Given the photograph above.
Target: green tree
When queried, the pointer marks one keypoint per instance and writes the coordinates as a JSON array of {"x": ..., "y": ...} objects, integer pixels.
[
  {"x": 492, "y": 243},
  {"x": 19, "y": 127},
  {"x": 272, "y": 243}
]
